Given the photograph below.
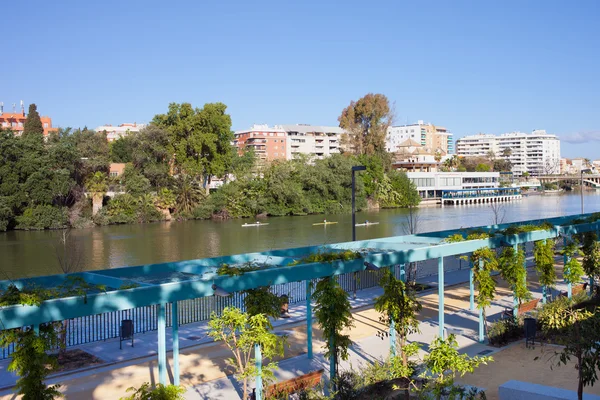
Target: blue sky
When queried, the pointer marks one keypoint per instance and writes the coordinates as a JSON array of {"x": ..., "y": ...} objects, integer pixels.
[{"x": 472, "y": 66}]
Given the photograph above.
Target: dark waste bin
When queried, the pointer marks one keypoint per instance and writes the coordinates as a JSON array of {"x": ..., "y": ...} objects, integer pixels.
[
  {"x": 285, "y": 304},
  {"x": 530, "y": 328},
  {"x": 126, "y": 332}
]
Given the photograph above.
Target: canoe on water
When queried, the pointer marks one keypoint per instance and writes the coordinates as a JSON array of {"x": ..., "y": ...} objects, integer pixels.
[
  {"x": 245, "y": 225},
  {"x": 367, "y": 224},
  {"x": 325, "y": 223}
]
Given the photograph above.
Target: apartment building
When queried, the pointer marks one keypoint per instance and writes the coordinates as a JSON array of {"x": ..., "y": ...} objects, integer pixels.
[
  {"x": 537, "y": 153},
  {"x": 286, "y": 141},
  {"x": 268, "y": 143},
  {"x": 427, "y": 135},
  {"x": 15, "y": 121},
  {"x": 115, "y": 132}
]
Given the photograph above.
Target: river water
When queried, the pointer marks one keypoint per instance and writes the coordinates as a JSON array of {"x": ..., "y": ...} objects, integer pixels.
[{"x": 35, "y": 253}]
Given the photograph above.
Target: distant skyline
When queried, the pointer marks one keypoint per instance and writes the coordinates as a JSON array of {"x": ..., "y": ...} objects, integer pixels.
[{"x": 490, "y": 67}]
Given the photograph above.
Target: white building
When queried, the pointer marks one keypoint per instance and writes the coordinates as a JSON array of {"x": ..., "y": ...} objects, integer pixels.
[
  {"x": 319, "y": 141},
  {"x": 431, "y": 184},
  {"x": 115, "y": 132},
  {"x": 537, "y": 153},
  {"x": 427, "y": 135}
]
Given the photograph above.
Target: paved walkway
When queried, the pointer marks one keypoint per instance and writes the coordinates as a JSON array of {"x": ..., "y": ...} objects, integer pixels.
[{"x": 202, "y": 361}]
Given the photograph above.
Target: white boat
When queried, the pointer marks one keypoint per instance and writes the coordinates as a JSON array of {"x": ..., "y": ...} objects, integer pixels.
[
  {"x": 326, "y": 223},
  {"x": 255, "y": 224},
  {"x": 367, "y": 224}
]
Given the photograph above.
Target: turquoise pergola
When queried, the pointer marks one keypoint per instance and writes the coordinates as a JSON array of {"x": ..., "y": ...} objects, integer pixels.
[{"x": 160, "y": 284}]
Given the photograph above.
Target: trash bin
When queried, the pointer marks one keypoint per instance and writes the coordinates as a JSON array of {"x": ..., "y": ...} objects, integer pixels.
[
  {"x": 126, "y": 332},
  {"x": 530, "y": 328},
  {"x": 285, "y": 304}
]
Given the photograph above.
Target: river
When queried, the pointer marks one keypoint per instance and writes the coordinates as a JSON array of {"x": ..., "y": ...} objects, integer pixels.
[{"x": 34, "y": 253}]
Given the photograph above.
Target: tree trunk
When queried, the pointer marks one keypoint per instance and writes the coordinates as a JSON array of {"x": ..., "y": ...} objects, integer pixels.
[
  {"x": 96, "y": 202},
  {"x": 166, "y": 214},
  {"x": 245, "y": 390}
]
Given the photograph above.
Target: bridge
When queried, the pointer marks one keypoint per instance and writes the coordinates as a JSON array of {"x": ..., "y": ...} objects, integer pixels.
[{"x": 588, "y": 179}]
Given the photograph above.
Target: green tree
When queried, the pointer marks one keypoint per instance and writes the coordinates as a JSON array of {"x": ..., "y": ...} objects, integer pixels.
[
  {"x": 189, "y": 194},
  {"x": 333, "y": 314},
  {"x": 135, "y": 183},
  {"x": 94, "y": 153},
  {"x": 97, "y": 186},
  {"x": 151, "y": 155},
  {"x": 33, "y": 123},
  {"x": 165, "y": 200},
  {"x": 240, "y": 332},
  {"x": 367, "y": 121},
  {"x": 121, "y": 149},
  {"x": 200, "y": 139},
  {"x": 573, "y": 271},
  {"x": 31, "y": 362},
  {"x": 482, "y": 168},
  {"x": 591, "y": 257}
]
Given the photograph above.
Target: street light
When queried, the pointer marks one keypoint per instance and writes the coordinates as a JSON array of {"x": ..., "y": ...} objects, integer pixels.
[
  {"x": 354, "y": 169},
  {"x": 587, "y": 170}
]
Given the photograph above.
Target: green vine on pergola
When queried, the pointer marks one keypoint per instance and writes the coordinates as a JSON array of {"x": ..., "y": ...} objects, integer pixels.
[
  {"x": 573, "y": 271},
  {"x": 543, "y": 256},
  {"x": 513, "y": 271}
]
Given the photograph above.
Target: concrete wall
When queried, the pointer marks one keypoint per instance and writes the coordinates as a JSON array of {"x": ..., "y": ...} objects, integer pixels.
[{"x": 517, "y": 390}]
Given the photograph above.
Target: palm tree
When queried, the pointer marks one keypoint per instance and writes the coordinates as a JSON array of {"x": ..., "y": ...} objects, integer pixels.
[
  {"x": 189, "y": 194},
  {"x": 97, "y": 186},
  {"x": 164, "y": 201}
]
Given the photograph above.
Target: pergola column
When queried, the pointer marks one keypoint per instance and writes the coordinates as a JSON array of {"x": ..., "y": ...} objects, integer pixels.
[
  {"x": 175, "y": 328},
  {"x": 258, "y": 381},
  {"x": 515, "y": 300},
  {"x": 481, "y": 319},
  {"x": 471, "y": 287},
  {"x": 308, "y": 321},
  {"x": 393, "y": 325},
  {"x": 441, "y": 296},
  {"x": 162, "y": 344},
  {"x": 566, "y": 260}
]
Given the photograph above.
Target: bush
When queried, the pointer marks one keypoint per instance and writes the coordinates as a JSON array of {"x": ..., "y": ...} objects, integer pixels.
[
  {"x": 505, "y": 331},
  {"x": 43, "y": 217},
  {"x": 160, "y": 392}
]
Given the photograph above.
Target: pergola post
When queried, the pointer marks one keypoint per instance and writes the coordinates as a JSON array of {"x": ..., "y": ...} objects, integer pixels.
[
  {"x": 332, "y": 366},
  {"x": 258, "y": 360},
  {"x": 162, "y": 344},
  {"x": 441, "y": 296},
  {"x": 175, "y": 328},
  {"x": 471, "y": 287},
  {"x": 481, "y": 320},
  {"x": 565, "y": 269},
  {"x": 36, "y": 329},
  {"x": 392, "y": 327},
  {"x": 309, "y": 321},
  {"x": 515, "y": 300}
]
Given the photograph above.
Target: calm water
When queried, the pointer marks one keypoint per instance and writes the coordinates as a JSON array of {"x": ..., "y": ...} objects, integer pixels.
[{"x": 35, "y": 253}]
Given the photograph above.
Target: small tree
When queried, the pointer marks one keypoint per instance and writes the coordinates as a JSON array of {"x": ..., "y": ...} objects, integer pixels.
[
  {"x": 512, "y": 270},
  {"x": 33, "y": 123},
  {"x": 573, "y": 271},
  {"x": 164, "y": 201},
  {"x": 333, "y": 314},
  {"x": 399, "y": 304},
  {"x": 262, "y": 301},
  {"x": 543, "y": 255},
  {"x": 591, "y": 257},
  {"x": 241, "y": 332},
  {"x": 160, "y": 392},
  {"x": 97, "y": 186},
  {"x": 578, "y": 330},
  {"x": 444, "y": 363},
  {"x": 31, "y": 362}
]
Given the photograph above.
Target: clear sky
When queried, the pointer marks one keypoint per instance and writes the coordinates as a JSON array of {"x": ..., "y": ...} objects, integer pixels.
[{"x": 472, "y": 66}]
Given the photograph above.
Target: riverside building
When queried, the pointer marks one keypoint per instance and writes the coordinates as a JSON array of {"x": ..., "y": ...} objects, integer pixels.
[
  {"x": 115, "y": 132},
  {"x": 436, "y": 138},
  {"x": 537, "y": 153},
  {"x": 15, "y": 121}
]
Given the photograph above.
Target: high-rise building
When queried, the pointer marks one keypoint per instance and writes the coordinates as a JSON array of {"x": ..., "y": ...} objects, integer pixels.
[
  {"x": 286, "y": 141},
  {"x": 537, "y": 153},
  {"x": 15, "y": 121},
  {"x": 432, "y": 137},
  {"x": 115, "y": 132}
]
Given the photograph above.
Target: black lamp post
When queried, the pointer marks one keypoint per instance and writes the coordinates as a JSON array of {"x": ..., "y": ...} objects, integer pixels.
[{"x": 354, "y": 169}]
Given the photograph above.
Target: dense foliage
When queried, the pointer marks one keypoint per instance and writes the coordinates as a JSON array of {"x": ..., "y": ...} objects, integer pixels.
[
  {"x": 543, "y": 255},
  {"x": 513, "y": 271},
  {"x": 160, "y": 392},
  {"x": 62, "y": 181}
]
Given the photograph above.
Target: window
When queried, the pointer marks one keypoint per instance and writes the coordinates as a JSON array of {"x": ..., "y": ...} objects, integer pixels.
[
  {"x": 21, "y": 125},
  {"x": 275, "y": 154},
  {"x": 275, "y": 147},
  {"x": 45, "y": 124},
  {"x": 114, "y": 173}
]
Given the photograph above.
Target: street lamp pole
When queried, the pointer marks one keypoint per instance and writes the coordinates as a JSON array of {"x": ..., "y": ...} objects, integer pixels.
[
  {"x": 354, "y": 169},
  {"x": 581, "y": 188}
]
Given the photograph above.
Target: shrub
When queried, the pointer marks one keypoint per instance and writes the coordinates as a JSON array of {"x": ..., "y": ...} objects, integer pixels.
[
  {"x": 43, "y": 217},
  {"x": 160, "y": 392},
  {"x": 505, "y": 331}
]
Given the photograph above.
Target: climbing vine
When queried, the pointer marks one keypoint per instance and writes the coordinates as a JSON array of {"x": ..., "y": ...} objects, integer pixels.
[
  {"x": 543, "y": 256},
  {"x": 573, "y": 271},
  {"x": 512, "y": 270},
  {"x": 333, "y": 314},
  {"x": 262, "y": 301}
]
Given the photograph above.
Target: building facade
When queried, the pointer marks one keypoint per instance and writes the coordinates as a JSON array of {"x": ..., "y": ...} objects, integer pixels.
[
  {"x": 15, "y": 121},
  {"x": 115, "y": 132},
  {"x": 287, "y": 141},
  {"x": 268, "y": 143},
  {"x": 427, "y": 135},
  {"x": 537, "y": 153},
  {"x": 432, "y": 184}
]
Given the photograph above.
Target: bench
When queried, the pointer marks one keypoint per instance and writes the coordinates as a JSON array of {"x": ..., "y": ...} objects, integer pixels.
[
  {"x": 523, "y": 308},
  {"x": 282, "y": 390},
  {"x": 576, "y": 290}
]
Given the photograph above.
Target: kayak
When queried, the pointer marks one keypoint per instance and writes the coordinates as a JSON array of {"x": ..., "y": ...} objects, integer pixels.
[
  {"x": 255, "y": 224},
  {"x": 325, "y": 223},
  {"x": 367, "y": 224}
]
